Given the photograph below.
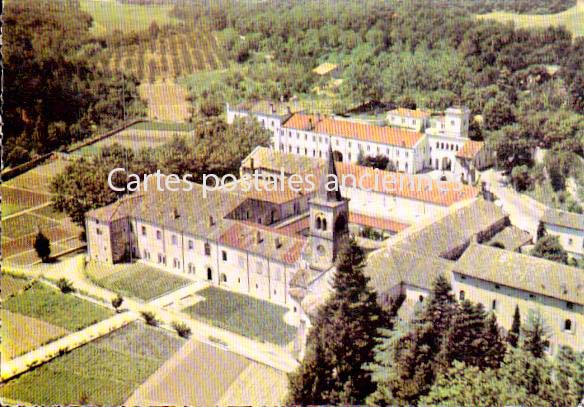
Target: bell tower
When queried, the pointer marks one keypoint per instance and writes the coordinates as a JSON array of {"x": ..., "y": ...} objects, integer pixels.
[{"x": 329, "y": 218}]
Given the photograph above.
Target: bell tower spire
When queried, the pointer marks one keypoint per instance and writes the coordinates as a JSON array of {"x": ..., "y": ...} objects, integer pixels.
[{"x": 329, "y": 217}]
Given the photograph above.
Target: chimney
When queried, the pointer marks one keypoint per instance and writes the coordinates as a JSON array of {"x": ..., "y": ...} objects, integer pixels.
[
  {"x": 251, "y": 164},
  {"x": 310, "y": 124},
  {"x": 272, "y": 108},
  {"x": 211, "y": 221},
  {"x": 278, "y": 242},
  {"x": 258, "y": 237},
  {"x": 288, "y": 110},
  {"x": 318, "y": 117},
  {"x": 175, "y": 213}
]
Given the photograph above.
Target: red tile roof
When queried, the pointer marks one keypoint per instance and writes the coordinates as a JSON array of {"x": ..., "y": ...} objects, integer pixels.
[
  {"x": 354, "y": 130},
  {"x": 470, "y": 149},
  {"x": 243, "y": 236},
  {"x": 416, "y": 187},
  {"x": 296, "y": 227}
]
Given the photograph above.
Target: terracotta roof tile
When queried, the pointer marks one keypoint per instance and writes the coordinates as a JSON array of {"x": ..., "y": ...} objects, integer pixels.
[
  {"x": 243, "y": 236},
  {"x": 470, "y": 149},
  {"x": 353, "y": 130}
]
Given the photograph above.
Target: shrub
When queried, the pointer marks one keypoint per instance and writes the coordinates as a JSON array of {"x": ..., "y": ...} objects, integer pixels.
[
  {"x": 181, "y": 329},
  {"x": 117, "y": 302},
  {"x": 149, "y": 318},
  {"x": 64, "y": 285}
]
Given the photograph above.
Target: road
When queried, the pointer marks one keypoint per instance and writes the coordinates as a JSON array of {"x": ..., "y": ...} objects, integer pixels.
[{"x": 524, "y": 212}]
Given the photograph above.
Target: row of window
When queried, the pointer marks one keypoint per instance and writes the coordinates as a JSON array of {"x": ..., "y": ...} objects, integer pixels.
[
  {"x": 566, "y": 326},
  {"x": 447, "y": 146}
]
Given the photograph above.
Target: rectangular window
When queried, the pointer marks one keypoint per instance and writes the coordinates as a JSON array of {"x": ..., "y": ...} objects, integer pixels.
[
  {"x": 207, "y": 249},
  {"x": 241, "y": 261},
  {"x": 174, "y": 240},
  {"x": 98, "y": 231},
  {"x": 191, "y": 245},
  {"x": 143, "y": 230},
  {"x": 224, "y": 255},
  {"x": 158, "y": 235}
]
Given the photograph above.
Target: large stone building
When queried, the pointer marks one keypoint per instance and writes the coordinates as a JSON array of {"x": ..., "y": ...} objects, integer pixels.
[
  {"x": 281, "y": 245},
  {"x": 414, "y": 141}
]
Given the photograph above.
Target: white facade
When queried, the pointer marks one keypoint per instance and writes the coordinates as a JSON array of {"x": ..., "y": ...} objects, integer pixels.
[
  {"x": 441, "y": 139},
  {"x": 564, "y": 320}
]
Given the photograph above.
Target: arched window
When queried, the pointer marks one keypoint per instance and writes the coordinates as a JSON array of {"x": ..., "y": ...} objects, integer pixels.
[
  {"x": 461, "y": 295},
  {"x": 324, "y": 224},
  {"x": 421, "y": 298},
  {"x": 568, "y": 325},
  {"x": 318, "y": 223},
  {"x": 224, "y": 277}
]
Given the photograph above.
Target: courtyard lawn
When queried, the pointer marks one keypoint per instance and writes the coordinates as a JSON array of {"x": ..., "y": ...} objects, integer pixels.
[
  {"x": 52, "y": 306},
  {"x": 135, "y": 280},
  {"x": 103, "y": 372},
  {"x": 244, "y": 315}
]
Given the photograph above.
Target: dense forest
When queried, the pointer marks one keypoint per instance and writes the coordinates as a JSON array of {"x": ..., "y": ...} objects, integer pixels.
[
  {"x": 525, "y": 88},
  {"x": 53, "y": 96}
]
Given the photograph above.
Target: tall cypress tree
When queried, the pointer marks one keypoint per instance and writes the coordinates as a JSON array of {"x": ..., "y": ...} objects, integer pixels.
[
  {"x": 341, "y": 340},
  {"x": 535, "y": 335},
  {"x": 406, "y": 366},
  {"x": 513, "y": 335},
  {"x": 473, "y": 338}
]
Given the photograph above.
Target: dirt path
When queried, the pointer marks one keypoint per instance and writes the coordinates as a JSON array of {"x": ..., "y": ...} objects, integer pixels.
[{"x": 167, "y": 101}]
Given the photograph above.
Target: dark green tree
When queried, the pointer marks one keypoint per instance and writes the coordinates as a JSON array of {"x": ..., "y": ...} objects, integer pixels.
[
  {"x": 549, "y": 247},
  {"x": 535, "y": 335},
  {"x": 341, "y": 340},
  {"x": 42, "y": 246},
  {"x": 406, "y": 365},
  {"x": 515, "y": 331}
]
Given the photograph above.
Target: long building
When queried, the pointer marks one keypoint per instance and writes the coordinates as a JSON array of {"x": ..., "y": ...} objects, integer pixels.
[{"x": 413, "y": 141}]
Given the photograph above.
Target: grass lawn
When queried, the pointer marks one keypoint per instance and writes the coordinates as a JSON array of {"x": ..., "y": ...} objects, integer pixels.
[
  {"x": 136, "y": 279},
  {"x": 572, "y": 19},
  {"x": 10, "y": 285},
  {"x": 244, "y": 315},
  {"x": 50, "y": 305},
  {"x": 111, "y": 15},
  {"x": 21, "y": 334},
  {"x": 103, "y": 372}
]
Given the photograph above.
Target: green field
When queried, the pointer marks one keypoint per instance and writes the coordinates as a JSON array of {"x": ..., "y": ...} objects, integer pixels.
[
  {"x": 11, "y": 208},
  {"x": 10, "y": 285},
  {"x": 103, "y": 372},
  {"x": 26, "y": 224},
  {"x": 164, "y": 126},
  {"x": 111, "y": 15},
  {"x": 244, "y": 315},
  {"x": 135, "y": 280},
  {"x": 63, "y": 310},
  {"x": 572, "y": 19}
]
